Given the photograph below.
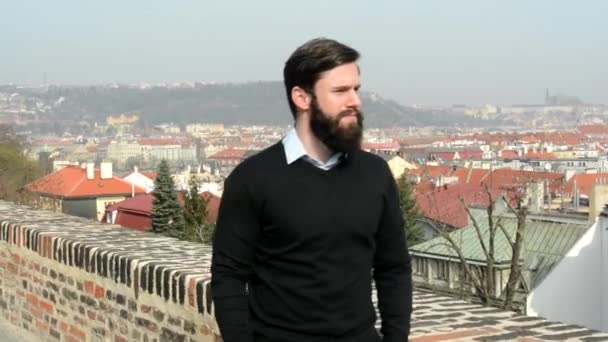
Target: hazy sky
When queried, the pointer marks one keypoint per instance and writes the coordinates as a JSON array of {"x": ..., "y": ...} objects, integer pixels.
[{"x": 416, "y": 52}]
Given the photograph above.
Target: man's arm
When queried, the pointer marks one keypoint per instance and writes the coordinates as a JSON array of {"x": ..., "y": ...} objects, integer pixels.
[
  {"x": 233, "y": 249},
  {"x": 392, "y": 270}
]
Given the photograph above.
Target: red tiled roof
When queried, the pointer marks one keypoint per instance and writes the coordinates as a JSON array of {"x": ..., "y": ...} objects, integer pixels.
[
  {"x": 508, "y": 154},
  {"x": 444, "y": 155},
  {"x": 432, "y": 171},
  {"x": 508, "y": 178},
  {"x": 470, "y": 155},
  {"x": 593, "y": 129},
  {"x": 151, "y": 175},
  {"x": 584, "y": 182},
  {"x": 424, "y": 186},
  {"x": 415, "y": 141},
  {"x": 392, "y": 145},
  {"x": 470, "y": 175},
  {"x": 142, "y": 204},
  {"x": 443, "y": 204},
  {"x": 72, "y": 181},
  {"x": 229, "y": 153},
  {"x": 529, "y": 139},
  {"x": 539, "y": 155}
]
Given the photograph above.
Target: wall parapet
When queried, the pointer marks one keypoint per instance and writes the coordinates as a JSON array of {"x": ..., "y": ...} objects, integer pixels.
[{"x": 66, "y": 278}]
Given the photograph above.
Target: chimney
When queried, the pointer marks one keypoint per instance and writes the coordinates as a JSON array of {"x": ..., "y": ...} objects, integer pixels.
[
  {"x": 106, "y": 170},
  {"x": 597, "y": 200},
  {"x": 90, "y": 170},
  {"x": 536, "y": 196},
  {"x": 135, "y": 169}
]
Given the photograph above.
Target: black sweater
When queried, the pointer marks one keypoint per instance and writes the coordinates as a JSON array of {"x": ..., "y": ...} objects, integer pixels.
[{"x": 295, "y": 247}]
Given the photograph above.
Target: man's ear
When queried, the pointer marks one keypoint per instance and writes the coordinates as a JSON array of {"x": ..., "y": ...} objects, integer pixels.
[{"x": 300, "y": 98}]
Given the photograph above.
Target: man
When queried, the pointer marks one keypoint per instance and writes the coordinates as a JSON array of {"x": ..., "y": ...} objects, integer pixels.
[{"x": 304, "y": 224}]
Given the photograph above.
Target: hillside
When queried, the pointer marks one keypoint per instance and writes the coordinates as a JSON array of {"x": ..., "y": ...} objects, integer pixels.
[{"x": 255, "y": 103}]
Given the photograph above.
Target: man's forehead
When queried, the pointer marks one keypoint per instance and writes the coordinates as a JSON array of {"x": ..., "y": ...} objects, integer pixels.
[{"x": 346, "y": 74}]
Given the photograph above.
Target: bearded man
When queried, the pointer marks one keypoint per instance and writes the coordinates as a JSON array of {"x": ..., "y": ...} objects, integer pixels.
[{"x": 306, "y": 225}]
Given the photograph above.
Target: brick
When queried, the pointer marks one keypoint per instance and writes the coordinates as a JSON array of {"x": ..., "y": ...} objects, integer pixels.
[
  {"x": 99, "y": 331},
  {"x": 132, "y": 305},
  {"x": 53, "y": 274},
  {"x": 158, "y": 315},
  {"x": 88, "y": 301},
  {"x": 142, "y": 322},
  {"x": 50, "y": 285},
  {"x": 174, "y": 321},
  {"x": 168, "y": 335},
  {"x": 37, "y": 313},
  {"x": 77, "y": 332},
  {"x": 99, "y": 292},
  {"x": 81, "y": 321},
  {"x": 70, "y": 295},
  {"x": 120, "y": 339},
  {"x": 48, "y": 307},
  {"x": 120, "y": 299},
  {"x": 135, "y": 334},
  {"x": 32, "y": 299},
  {"x": 42, "y": 326},
  {"x": 55, "y": 334},
  {"x": 12, "y": 268},
  {"x": 189, "y": 327},
  {"x": 62, "y": 313},
  {"x": 89, "y": 287},
  {"x": 70, "y": 338}
]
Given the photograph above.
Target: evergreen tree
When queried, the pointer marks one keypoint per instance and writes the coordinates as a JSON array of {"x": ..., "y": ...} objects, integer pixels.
[
  {"x": 167, "y": 213},
  {"x": 198, "y": 227},
  {"x": 409, "y": 210}
]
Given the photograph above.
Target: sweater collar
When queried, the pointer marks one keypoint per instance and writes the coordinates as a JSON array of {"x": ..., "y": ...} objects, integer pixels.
[{"x": 294, "y": 150}]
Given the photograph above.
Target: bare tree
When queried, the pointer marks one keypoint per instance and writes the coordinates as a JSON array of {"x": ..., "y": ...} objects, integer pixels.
[{"x": 481, "y": 278}]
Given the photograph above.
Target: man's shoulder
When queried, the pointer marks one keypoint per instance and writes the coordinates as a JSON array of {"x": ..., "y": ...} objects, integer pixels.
[
  {"x": 265, "y": 160},
  {"x": 371, "y": 160}
]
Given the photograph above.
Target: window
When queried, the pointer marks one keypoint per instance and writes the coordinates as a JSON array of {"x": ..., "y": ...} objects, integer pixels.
[
  {"x": 442, "y": 271},
  {"x": 419, "y": 266}
]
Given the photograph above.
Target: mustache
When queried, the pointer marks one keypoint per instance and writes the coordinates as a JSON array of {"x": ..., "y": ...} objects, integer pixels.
[{"x": 349, "y": 112}]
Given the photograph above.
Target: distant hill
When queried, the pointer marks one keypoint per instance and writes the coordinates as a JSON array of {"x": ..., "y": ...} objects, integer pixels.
[{"x": 254, "y": 103}]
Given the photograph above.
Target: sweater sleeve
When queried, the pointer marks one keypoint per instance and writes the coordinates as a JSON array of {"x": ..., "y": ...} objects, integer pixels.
[
  {"x": 392, "y": 269},
  {"x": 234, "y": 244}
]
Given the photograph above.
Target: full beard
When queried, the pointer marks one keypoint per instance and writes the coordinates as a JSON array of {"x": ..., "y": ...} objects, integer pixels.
[{"x": 336, "y": 137}]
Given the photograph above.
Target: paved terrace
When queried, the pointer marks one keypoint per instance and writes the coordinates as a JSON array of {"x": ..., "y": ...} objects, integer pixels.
[{"x": 46, "y": 237}]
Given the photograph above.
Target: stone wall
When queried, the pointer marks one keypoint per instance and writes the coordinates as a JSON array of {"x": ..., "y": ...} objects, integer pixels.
[{"x": 69, "y": 279}]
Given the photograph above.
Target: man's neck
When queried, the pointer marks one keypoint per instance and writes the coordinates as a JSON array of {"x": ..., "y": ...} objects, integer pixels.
[{"x": 313, "y": 146}]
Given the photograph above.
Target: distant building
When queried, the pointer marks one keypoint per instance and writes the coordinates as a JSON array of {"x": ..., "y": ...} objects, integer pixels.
[{"x": 82, "y": 191}]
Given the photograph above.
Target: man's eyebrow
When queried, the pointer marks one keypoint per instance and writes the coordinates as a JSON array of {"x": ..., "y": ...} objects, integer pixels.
[{"x": 346, "y": 87}]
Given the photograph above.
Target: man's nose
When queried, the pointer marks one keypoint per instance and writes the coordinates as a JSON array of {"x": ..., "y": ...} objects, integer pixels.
[{"x": 354, "y": 100}]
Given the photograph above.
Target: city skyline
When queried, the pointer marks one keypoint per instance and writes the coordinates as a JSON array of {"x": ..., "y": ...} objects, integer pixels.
[{"x": 431, "y": 53}]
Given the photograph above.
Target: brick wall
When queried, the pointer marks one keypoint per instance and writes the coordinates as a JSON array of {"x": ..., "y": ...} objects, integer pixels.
[{"x": 68, "y": 279}]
